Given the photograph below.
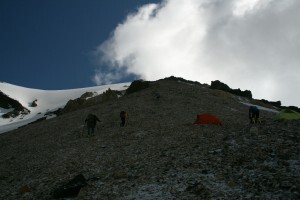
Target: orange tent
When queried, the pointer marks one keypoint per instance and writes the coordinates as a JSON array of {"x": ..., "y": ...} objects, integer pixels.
[{"x": 207, "y": 119}]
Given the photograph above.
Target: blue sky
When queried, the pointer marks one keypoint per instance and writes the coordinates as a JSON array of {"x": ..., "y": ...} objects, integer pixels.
[
  {"x": 48, "y": 44},
  {"x": 62, "y": 44}
]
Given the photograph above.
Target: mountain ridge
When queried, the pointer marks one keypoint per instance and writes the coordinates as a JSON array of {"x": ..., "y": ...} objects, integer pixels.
[
  {"x": 52, "y": 112},
  {"x": 47, "y": 102},
  {"x": 22, "y": 115},
  {"x": 160, "y": 154}
]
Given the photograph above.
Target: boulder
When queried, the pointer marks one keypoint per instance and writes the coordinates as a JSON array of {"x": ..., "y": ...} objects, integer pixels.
[
  {"x": 34, "y": 104},
  {"x": 70, "y": 189}
]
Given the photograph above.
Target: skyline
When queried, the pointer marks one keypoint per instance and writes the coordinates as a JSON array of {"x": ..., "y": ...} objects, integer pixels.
[{"x": 246, "y": 44}]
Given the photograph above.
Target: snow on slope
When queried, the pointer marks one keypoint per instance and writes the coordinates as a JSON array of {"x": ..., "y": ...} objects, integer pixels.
[
  {"x": 260, "y": 107},
  {"x": 47, "y": 100}
]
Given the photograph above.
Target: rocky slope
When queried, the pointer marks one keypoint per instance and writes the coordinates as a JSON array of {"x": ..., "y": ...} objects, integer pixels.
[{"x": 160, "y": 154}]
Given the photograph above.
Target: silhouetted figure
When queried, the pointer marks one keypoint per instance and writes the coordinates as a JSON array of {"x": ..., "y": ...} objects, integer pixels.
[
  {"x": 157, "y": 95},
  {"x": 91, "y": 122},
  {"x": 123, "y": 116},
  {"x": 253, "y": 114}
]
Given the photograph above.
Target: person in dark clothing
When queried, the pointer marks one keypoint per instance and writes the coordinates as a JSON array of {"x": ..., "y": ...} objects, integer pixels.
[
  {"x": 91, "y": 122},
  {"x": 253, "y": 114},
  {"x": 123, "y": 116},
  {"x": 157, "y": 95}
]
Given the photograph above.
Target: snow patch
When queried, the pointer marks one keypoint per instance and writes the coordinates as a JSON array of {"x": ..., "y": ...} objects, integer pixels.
[
  {"x": 48, "y": 101},
  {"x": 260, "y": 107}
]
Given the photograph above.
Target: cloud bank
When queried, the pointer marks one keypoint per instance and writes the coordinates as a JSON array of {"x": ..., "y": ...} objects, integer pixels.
[{"x": 248, "y": 44}]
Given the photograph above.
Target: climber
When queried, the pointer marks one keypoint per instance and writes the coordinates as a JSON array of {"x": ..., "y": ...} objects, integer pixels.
[
  {"x": 124, "y": 117},
  {"x": 253, "y": 114},
  {"x": 91, "y": 122}
]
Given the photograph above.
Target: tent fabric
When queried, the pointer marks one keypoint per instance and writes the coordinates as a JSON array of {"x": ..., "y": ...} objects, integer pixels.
[
  {"x": 207, "y": 119},
  {"x": 287, "y": 114}
]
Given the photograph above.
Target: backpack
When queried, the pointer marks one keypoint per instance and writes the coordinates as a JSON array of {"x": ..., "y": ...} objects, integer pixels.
[{"x": 123, "y": 114}]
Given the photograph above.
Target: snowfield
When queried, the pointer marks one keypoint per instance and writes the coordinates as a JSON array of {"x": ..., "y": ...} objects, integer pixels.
[{"x": 47, "y": 101}]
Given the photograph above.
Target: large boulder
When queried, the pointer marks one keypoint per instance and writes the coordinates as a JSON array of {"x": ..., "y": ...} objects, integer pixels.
[
  {"x": 70, "y": 189},
  {"x": 34, "y": 104}
]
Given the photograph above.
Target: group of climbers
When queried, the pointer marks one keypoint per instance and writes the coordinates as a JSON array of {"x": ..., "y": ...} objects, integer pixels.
[{"x": 91, "y": 121}]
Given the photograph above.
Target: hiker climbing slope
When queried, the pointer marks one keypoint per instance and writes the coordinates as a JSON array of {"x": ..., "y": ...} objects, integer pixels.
[
  {"x": 124, "y": 117},
  {"x": 91, "y": 122},
  {"x": 253, "y": 114}
]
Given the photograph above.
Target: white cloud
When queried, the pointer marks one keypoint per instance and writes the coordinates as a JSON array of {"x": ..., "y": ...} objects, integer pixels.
[
  {"x": 246, "y": 44},
  {"x": 241, "y": 7},
  {"x": 106, "y": 78}
]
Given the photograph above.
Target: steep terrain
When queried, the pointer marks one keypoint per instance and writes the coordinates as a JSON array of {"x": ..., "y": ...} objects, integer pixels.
[
  {"x": 20, "y": 106},
  {"x": 8, "y": 103},
  {"x": 160, "y": 154}
]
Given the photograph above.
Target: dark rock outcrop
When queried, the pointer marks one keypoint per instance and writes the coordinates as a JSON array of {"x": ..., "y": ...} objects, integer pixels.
[
  {"x": 295, "y": 108},
  {"x": 278, "y": 105},
  {"x": 70, "y": 189},
  {"x": 7, "y": 103},
  {"x": 76, "y": 104},
  {"x": 222, "y": 86},
  {"x": 34, "y": 104},
  {"x": 87, "y": 100},
  {"x": 136, "y": 86},
  {"x": 73, "y": 105},
  {"x": 86, "y": 95},
  {"x": 179, "y": 79}
]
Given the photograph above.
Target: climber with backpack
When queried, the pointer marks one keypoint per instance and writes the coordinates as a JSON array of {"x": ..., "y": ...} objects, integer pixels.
[
  {"x": 253, "y": 114},
  {"x": 91, "y": 122},
  {"x": 124, "y": 117}
]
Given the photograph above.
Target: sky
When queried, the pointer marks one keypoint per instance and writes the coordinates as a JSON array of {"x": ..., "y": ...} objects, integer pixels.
[
  {"x": 49, "y": 44},
  {"x": 61, "y": 44}
]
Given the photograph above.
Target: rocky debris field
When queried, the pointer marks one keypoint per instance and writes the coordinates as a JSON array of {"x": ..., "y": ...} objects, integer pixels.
[{"x": 159, "y": 154}]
